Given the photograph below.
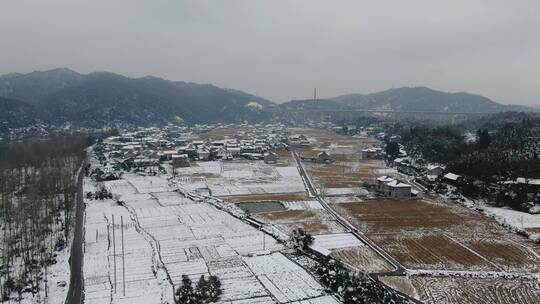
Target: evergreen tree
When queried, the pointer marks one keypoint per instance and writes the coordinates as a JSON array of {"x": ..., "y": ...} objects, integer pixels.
[
  {"x": 301, "y": 239},
  {"x": 185, "y": 293},
  {"x": 484, "y": 139},
  {"x": 202, "y": 289},
  {"x": 214, "y": 290},
  {"x": 392, "y": 149}
]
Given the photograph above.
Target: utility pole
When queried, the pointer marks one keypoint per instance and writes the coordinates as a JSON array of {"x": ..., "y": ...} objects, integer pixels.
[
  {"x": 264, "y": 240},
  {"x": 114, "y": 252},
  {"x": 123, "y": 258},
  {"x": 46, "y": 293}
]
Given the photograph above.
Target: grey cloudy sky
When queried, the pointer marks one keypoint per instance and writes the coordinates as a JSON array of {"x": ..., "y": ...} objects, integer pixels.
[{"x": 282, "y": 49}]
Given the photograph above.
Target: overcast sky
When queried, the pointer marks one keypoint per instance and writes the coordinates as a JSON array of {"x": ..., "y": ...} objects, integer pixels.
[{"x": 281, "y": 50}]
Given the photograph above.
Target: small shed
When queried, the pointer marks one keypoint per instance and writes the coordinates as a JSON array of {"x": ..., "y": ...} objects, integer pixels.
[
  {"x": 270, "y": 158},
  {"x": 323, "y": 158},
  {"x": 181, "y": 160},
  {"x": 435, "y": 170}
]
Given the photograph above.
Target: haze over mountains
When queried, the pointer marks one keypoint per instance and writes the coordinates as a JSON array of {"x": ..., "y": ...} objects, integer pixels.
[{"x": 63, "y": 96}]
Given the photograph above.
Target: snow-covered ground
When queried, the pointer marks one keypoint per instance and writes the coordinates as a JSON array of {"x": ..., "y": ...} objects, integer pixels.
[
  {"x": 515, "y": 218},
  {"x": 302, "y": 205},
  {"x": 143, "y": 281},
  {"x": 240, "y": 178},
  {"x": 346, "y": 191},
  {"x": 334, "y": 241},
  {"x": 58, "y": 282},
  {"x": 167, "y": 235}
]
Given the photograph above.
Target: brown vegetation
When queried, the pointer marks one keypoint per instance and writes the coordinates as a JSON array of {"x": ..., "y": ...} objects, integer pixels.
[
  {"x": 266, "y": 197},
  {"x": 476, "y": 291},
  {"x": 362, "y": 258},
  {"x": 424, "y": 234},
  {"x": 312, "y": 221}
]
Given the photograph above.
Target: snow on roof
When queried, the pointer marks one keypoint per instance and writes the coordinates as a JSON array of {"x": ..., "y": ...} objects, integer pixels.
[
  {"x": 398, "y": 184},
  {"x": 528, "y": 181},
  {"x": 431, "y": 167},
  {"x": 385, "y": 178},
  {"x": 180, "y": 156},
  {"x": 452, "y": 176}
]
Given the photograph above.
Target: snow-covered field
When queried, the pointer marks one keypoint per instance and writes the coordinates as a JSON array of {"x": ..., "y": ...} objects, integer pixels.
[
  {"x": 142, "y": 283},
  {"x": 240, "y": 178},
  {"x": 302, "y": 205},
  {"x": 167, "y": 235},
  {"x": 515, "y": 218},
  {"x": 334, "y": 241}
]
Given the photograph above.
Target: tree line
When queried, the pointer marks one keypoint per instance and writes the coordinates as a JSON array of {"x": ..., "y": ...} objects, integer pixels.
[
  {"x": 495, "y": 153},
  {"x": 38, "y": 186}
]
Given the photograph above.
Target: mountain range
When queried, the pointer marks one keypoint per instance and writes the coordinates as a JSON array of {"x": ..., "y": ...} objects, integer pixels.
[{"x": 62, "y": 96}]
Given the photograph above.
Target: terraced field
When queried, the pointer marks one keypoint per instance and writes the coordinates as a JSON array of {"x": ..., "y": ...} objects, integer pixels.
[
  {"x": 423, "y": 234},
  {"x": 312, "y": 221},
  {"x": 476, "y": 291}
]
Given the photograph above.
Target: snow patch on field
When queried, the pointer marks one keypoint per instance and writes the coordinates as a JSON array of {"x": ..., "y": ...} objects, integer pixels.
[
  {"x": 302, "y": 205},
  {"x": 285, "y": 280},
  {"x": 335, "y": 241},
  {"x": 515, "y": 218},
  {"x": 346, "y": 191},
  {"x": 240, "y": 178}
]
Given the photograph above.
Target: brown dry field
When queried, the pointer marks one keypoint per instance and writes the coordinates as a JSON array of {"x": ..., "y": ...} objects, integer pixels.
[
  {"x": 222, "y": 132},
  {"x": 344, "y": 174},
  {"x": 284, "y": 158},
  {"x": 363, "y": 258},
  {"x": 301, "y": 196},
  {"x": 428, "y": 235},
  {"x": 312, "y": 221},
  {"x": 348, "y": 169},
  {"x": 446, "y": 290},
  {"x": 509, "y": 256},
  {"x": 430, "y": 252},
  {"x": 282, "y": 153},
  {"x": 325, "y": 137}
]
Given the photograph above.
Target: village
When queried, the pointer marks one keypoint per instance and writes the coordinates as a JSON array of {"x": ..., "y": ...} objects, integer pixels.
[{"x": 226, "y": 200}]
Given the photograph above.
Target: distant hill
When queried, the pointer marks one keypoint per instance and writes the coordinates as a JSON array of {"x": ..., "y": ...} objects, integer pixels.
[
  {"x": 409, "y": 99},
  {"x": 102, "y": 98},
  {"x": 424, "y": 99},
  {"x": 16, "y": 114},
  {"x": 62, "y": 96},
  {"x": 35, "y": 86},
  {"x": 314, "y": 105}
]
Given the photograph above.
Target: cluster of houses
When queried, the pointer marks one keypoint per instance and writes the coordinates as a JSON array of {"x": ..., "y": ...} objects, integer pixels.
[{"x": 148, "y": 147}]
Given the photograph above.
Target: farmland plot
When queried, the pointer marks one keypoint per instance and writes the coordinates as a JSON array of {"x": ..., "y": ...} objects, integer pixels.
[
  {"x": 344, "y": 174},
  {"x": 349, "y": 170},
  {"x": 194, "y": 239},
  {"x": 287, "y": 216},
  {"x": 427, "y": 235},
  {"x": 346, "y": 248},
  {"x": 314, "y": 221},
  {"x": 241, "y": 178},
  {"x": 283, "y": 278},
  {"x": 266, "y": 197},
  {"x": 141, "y": 281},
  {"x": 476, "y": 291}
]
